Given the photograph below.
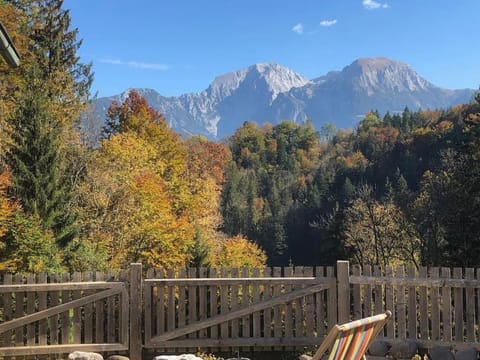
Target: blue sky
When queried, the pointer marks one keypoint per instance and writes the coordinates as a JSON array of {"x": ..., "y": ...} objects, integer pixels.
[{"x": 180, "y": 46}]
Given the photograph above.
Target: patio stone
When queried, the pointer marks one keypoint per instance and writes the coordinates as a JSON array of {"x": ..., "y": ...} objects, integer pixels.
[
  {"x": 404, "y": 350},
  {"x": 440, "y": 353},
  {"x": 467, "y": 354},
  {"x": 378, "y": 348}
]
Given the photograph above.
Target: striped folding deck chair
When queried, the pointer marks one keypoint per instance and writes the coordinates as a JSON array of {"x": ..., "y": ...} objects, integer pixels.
[{"x": 350, "y": 341}]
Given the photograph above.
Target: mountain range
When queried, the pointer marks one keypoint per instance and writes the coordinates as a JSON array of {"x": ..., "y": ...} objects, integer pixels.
[{"x": 271, "y": 92}]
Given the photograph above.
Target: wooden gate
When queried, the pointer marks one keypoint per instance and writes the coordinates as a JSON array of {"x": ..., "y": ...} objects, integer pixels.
[
  {"x": 238, "y": 309},
  {"x": 61, "y": 315}
]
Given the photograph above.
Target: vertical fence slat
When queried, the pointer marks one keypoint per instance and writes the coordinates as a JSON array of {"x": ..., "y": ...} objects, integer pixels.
[
  {"x": 288, "y": 318},
  {"x": 88, "y": 315},
  {"x": 470, "y": 303},
  {"x": 245, "y": 303},
  {"x": 279, "y": 309},
  {"x": 224, "y": 306},
  {"x": 99, "y": 314},
  {"x": 256, "y": 314},
  {"x": 192, "y": 302},
  {"x": 267, "y": 313},
  {"x": 320, "y": 305},
  {"x": 367, "y": 291},
  {"x": 234, "y": 305},
  {"x": 356, "y": 294},
  {"x": 435, "y": 305},
  {"x": 343, "y": 288},
  {"x": 19, "y": 312},
  {"x": 389, "y": 302},
  {"x": 160, "y": 305},
  {"x": 401, "y": 305},
  {"x": 447, "y": 306},
  {"x": 458, "y": 306},
  {"x": 65, "y": 316},
  {"x": 332, "y": 298},
  {"x": 7, "y": 306},
  {"x": 412, "y": 305},
  {"x": 202, "y": 306},
  {"x": 148, "y": 291},
  {"x": 423, "y": 295},
  {"x": 77, "y": 317},
  {"x": 299, "y": 304},
  {"x": 31, "y": 308},
  {"x": 213, "y": 305},
  {"x": 182, "y": 308},
  {"x": 378, "y": 292},
  {"x": 135, "y": 311},
  {"x": 309, "y": 308}
]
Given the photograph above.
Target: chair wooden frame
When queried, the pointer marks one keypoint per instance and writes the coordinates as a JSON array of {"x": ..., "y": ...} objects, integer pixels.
[{"x": 350, "y": 341}]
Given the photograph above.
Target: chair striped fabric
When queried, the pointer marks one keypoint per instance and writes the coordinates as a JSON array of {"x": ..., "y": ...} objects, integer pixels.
[{"x": 350, "y": 341}]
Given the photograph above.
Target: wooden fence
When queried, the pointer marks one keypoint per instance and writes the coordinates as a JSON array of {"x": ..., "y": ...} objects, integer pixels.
[{"x": 232, "y": 309}]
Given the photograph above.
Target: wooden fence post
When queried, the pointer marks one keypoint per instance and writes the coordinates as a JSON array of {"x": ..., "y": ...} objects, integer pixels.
[
  {"x": 343, "y": 291},
  {"x": 135, "y": 311}
]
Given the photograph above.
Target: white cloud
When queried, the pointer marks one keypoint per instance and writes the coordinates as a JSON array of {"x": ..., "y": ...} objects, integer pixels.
[
  {"x": 372, "y": 4},
  {"x": 328, "y": 22},
  {"x": 137, "y": 64},
  {"x": 298, "y": 28}
]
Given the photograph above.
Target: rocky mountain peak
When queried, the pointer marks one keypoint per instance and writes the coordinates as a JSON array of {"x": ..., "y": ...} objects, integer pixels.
[{"x": 382, "y": 74}]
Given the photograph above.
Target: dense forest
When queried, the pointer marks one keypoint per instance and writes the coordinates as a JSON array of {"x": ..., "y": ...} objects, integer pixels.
[{"x": 400, "y": 188}]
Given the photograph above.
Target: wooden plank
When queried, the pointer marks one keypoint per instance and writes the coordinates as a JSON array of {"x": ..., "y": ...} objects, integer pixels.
[
  {"x": 135, "y": 350},
  {"x": 111, "y": 313},
  {"x": 77, "y": 318},
  {"x": 171, "y": 303},
  {"x": 235, "y": 330},
  {"x": 7, "y": 310},
  {"x": 224, "y": 306},
  {"x": 202, "y": 303},
  {"x": 343, "y": 288},
  {"x": 149, "y": 318},
  {"x": 277, "y": 310},
  {"x": 55, "y": 310},
  {"x": 88, "y": 314},
  {"x": 470, "y": 304},
  {"x": 245, "y": 302},
  {"x": 240, "y": 312},
  {"x": 19, "y": 312},
  {"x": 383, "y": 280},
  {"x": 288, "y": 318},
  {"x": 256, "y": 315},
  {"x": 423, "y": 306},
  {"x": 332, "y": 298},
  {"x": 367, "y": 292},
  {"x": 412, "y": 306},
  {"x": 378, "y": 292},
  {"x": 124, "y": 311},
  {"x": 301, "y": 280},
  {"x": 435, "y": 305},
  {"x": 65, "y": 316},
  {"x": 181, "y": 308},
  {"x": 213, "y": 305},
  {"x": 69, "y": 285},
  {"x": 446, "y": 306},
  {"x": 54, "y": 319},
  {"x": 389, "y": 304},
  {"x": 160, "y": 304},
  {"x": 60, "y": 349},
  {"x": 192, "y": 301},
  {"x": 458, "y": 306},
  {"x": 309, "y": 314},
  {"x": 100, "y": 314},
  {"x": 31, "y": 308},
  {"x": 299, "y": 304},
  {"x": 356, "y": 295},
  {"x": 320, "y": 312},
  {"x": 401, "y": 305}
]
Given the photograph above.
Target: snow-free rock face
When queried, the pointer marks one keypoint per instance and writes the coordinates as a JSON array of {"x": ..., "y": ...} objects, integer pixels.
[{"x": 270, "y": 93}]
